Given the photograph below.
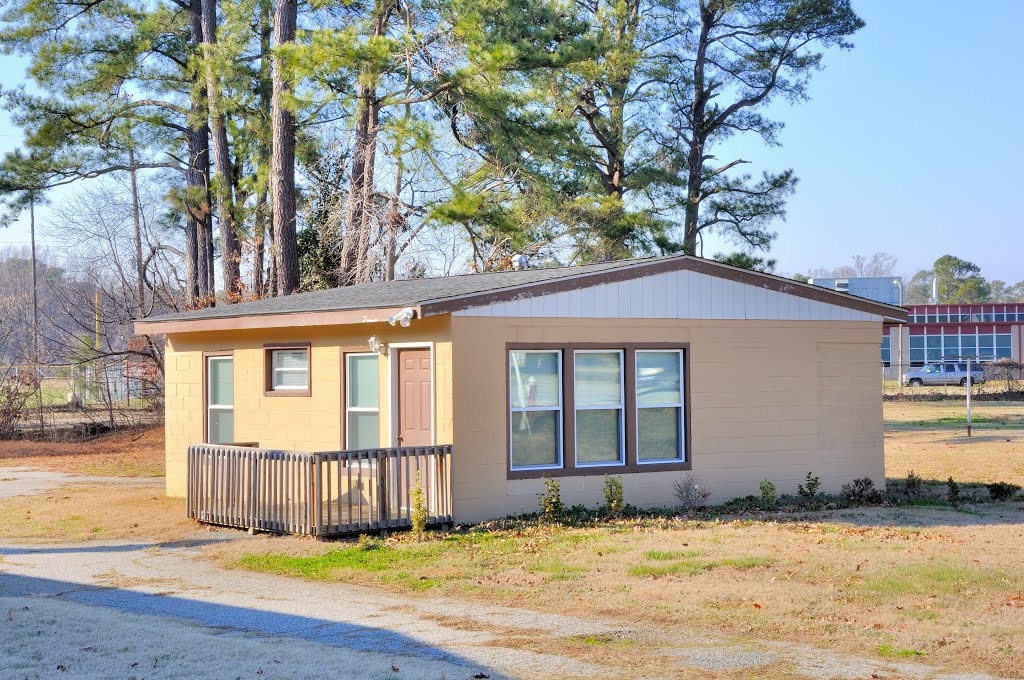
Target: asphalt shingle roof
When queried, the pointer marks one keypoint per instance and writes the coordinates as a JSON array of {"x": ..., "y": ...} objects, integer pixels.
[{"x": 400, "y": 293}]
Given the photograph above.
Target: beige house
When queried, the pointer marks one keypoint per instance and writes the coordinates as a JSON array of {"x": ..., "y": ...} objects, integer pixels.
[{"x": 642, "y": 368}]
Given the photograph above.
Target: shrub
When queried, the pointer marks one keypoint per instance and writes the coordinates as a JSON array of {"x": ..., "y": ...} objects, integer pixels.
[
  {"x": 861, "y": 491},
  {"x": 369, "y": 543},
  {"x": 551, "y": 505},
  {"x": 769, "y": 495},
  {"x": 690, "y": 493},
  {"x": 418, "y": 513},
  {"x": 1002, "y": 491},
  {"x": 953, "y": 492},
  {"x": 811, "y": 489},
  {"x": 614, "y": 498},
  {"x": 913, "y": 484}
]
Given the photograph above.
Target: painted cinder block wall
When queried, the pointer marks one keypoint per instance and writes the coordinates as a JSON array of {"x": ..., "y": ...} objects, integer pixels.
[
  {"x": 296, "y": 423},
  {"x": 768, "y": 399}
]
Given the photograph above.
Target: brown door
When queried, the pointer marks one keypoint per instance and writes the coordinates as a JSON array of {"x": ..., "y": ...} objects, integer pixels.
[{"x": 414, "y": 398}]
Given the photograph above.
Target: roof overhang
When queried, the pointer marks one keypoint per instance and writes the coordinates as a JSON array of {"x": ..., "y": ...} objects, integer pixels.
[
  {"x": 435, "y": 307},
  {"x": 257, "y": 321}
]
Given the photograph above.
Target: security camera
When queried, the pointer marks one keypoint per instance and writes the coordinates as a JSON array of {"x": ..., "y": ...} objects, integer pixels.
[{"x": 403, "y": 318}]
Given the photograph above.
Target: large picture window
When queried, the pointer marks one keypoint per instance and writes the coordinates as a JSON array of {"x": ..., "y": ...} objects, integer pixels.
[
  {"x": 584, "y": 409},
  {"x": 535, "y": 398},
  {"x": 599, "y": 397},
  {"x": 362, "y": 401},
  {"x": 659, "y": 403},
  {"x": 220, "y": 399}
]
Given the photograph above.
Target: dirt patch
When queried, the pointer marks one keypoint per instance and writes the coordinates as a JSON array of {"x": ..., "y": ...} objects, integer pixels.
[
  {"x": 94, "y": 512},
  {"x": 129, "y": 453}
]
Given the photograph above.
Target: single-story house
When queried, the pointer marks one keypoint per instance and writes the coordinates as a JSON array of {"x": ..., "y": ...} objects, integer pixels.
[{"x": 644, "y": 368}]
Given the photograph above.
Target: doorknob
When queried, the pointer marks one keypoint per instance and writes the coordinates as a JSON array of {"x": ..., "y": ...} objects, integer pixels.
[{"x": 400, "y": 439}]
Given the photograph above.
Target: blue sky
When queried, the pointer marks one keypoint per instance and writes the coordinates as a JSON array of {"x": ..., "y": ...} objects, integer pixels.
[{"x": 911, "y": 142}]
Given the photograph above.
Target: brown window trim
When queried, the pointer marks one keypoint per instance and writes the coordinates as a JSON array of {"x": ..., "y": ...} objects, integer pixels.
[
  {"x": 631, "y": 465},
  {"x": 345, "y": 351},
  {"x": 268, "y": 369},
  {"x": 206, "y": 388}
]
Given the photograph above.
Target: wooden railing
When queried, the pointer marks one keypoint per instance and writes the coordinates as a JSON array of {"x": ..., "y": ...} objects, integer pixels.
[{"x": 319, "y": 494}]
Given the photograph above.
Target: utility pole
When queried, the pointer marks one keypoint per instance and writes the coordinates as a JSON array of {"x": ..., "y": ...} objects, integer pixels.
[
  {"x": 35, "y": 311},
  {"x": 140, "y": 270}
]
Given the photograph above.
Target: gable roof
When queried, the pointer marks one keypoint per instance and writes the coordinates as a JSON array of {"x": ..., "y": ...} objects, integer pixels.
[{"x": 370, "y": 302}]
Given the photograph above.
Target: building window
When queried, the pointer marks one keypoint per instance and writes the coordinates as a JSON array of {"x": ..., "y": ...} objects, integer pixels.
[
  {"x": 220, "y": 400},
  {"x": 1003, "y": 346},
  {"x": 886, "y": 352},
  {"x": 535, "y": 398},
  {"x": 362, "y": 401},
  {"x": 287, "y": 370},
  {"x": 659, "y": 406},
  {"x": 968, "y": 345},
  {"x": 916, "y": 350},
  {"x": 574, "y": 410},
  {"x": 599, "y": 407}
]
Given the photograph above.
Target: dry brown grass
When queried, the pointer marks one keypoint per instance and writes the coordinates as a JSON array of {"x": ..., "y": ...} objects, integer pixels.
[
  {"x": 906, "y": 584},
  {"x": 133, "y": 453},
  {"x": 80, "y": 512},
  {"x": 929, "y": 438},
  {"x": 872, "y": 582}
]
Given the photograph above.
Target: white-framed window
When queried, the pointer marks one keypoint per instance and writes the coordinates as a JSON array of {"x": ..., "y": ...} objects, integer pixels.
[
  {"x": 220, "y": 399},
  {"x": 660, "y": 408},
  {"x": 362, "y": 401},
  {"x": 599, "y": 404},
  {"x": 289, "y": 370},
  {"x": 535, "y": 409}
]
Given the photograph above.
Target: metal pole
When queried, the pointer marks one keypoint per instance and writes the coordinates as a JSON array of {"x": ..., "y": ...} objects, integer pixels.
[
  {"x": 969, "y": 384},
  {"x": 35, "y": 311},
  {"x": 899, "y": 328}
]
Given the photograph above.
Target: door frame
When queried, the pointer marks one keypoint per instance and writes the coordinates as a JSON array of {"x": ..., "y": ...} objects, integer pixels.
[{"x": 393, "y": 391}]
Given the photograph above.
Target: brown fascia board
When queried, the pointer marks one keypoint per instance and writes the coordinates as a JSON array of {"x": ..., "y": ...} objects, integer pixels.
[
  {"x": 251, "y": 321},
  {"x": 695, "y": 264}
]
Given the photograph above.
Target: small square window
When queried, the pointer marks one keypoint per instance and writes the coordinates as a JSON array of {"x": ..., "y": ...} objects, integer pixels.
[{"x": 287, "y": 371}]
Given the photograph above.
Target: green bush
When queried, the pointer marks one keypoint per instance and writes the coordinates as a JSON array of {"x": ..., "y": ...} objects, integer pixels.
[
  {"x": 1002, "y": 491},
  {"x": 952, "y": 492},
  {"x": 809, "y": 491},
  {"x": 551, "y": 505},
  {"x": 614, "y": 497},
  {"x": 913, "y": 484},
  {"x": 769, "y": 495},
  {"x": 861, "y": 491}
]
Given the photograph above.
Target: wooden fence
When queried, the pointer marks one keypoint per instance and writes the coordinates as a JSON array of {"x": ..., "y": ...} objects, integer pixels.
[{"x": 319, "y": 494}]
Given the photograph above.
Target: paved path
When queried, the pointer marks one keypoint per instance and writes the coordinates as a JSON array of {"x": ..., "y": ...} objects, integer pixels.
[{"x": 23, "y": 481}]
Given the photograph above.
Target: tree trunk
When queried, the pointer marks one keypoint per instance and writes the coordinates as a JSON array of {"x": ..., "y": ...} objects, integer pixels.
[
  {"x": 282, "y": 156},
  {"x": 198, "y": 236},
  {"x": 259, "y": 273},
  {"x": 140, "y": 265},
  {"x": 224, "y": 182},
  {"x": 695, "y": 155},
  {"x": 355, "y": 266},
  {"x": 364, "y": 266}
]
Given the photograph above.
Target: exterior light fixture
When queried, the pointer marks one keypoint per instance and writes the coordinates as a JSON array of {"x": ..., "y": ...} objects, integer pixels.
[
  {"x": 403, "y": 318},
  {"x": 377, "y": 347}
]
